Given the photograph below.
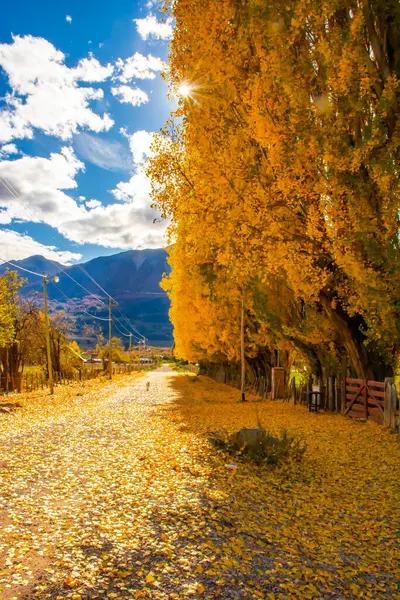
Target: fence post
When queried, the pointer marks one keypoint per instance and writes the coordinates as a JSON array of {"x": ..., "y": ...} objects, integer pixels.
[
  {"x": 343, "y": 394},
  {"x": 390, "y": 404},
  {"x": 393, "y": 424},
  {"x": 335, "y": 394},
  {"x": 331, "y": 399},
  {"x": 365, "y": 398}
]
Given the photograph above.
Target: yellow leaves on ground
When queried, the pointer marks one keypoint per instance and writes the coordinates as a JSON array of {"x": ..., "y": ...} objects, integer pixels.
[{"x": 120, "y": 495}]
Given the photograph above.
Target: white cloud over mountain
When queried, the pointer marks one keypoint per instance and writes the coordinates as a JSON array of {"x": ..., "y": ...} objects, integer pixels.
[
  {"x": 15, "y": 246},
  {"x": 152, "y": 28},
  {"x": 46, "y": 93}
]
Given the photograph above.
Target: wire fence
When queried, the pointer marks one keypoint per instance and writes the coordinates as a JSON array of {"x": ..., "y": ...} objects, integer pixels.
[{"x": 33, "y": 381}]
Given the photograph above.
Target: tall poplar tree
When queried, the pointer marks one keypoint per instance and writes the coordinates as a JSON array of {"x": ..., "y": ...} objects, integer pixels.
[{"x": 286, "y": 165}]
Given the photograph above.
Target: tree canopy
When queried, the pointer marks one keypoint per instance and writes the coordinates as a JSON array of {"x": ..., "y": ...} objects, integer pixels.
[{"x": 280, "y": 170}]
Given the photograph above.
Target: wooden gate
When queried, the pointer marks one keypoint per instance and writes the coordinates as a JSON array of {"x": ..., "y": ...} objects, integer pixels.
[{"x": 365, "y": 399}]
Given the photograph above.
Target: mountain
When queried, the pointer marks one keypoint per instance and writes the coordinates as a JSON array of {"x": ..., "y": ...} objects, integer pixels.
[
  {"x": 131, "y": 278},
  {"x": 37, "y": 264}
]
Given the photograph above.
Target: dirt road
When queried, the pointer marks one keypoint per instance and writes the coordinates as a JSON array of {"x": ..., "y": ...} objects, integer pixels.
[{"x": 116, "y": 493}]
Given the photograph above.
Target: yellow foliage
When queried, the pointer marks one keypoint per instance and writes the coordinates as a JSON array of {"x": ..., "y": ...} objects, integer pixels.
[
  {"x": 117, "y": 493},
  {"x": 285, "y": 163}
]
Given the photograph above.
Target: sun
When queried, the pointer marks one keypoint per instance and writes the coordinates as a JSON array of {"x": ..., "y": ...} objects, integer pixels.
[{"x": 184, "y": 90}]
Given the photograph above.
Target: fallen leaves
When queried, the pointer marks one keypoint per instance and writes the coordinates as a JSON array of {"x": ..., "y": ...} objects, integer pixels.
[{"x": 84, "y": 516}]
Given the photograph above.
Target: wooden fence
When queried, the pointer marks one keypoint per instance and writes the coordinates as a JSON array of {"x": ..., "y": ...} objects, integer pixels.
[
  {"x": 375, "y": 400},
  {"x": 32, "y": 381},
  {"x": 355, "y": 398}
]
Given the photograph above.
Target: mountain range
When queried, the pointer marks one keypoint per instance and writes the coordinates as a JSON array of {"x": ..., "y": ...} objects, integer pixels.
[{"x": 132, "y": 278}]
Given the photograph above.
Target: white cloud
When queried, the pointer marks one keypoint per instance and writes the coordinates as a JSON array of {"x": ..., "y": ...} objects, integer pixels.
[
  {"x": 89, "y": 69},
  {"x": 92, "y": 203},
  {"x": 5, "y": 218},
  {"x": 15, "y": 246},
  {"x": 45, "y": 92},
  {"x": 129, "y": 95},
  {"x": 39, "y": 185},
  {"x": 140, "y": 143},
  {"x": 150, "y": 27},
  {"x": 126, "y": 225},
  {"x": 68, "y": 18},
  {"x": 112, "y": 156},
  {"x": 139, "y": 66},
  {"x": 8, "y": 149}
]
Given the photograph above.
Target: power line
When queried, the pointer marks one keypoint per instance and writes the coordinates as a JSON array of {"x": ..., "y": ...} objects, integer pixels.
[
  {"x": 94, "y": 281},
  {"x": 121, "y": 332},
  {"x": 76, "y": 306},
  {"x": 79, "y": 284},
  {"x": 17, "y": 196},
  {"x": 130, "y": 324},
  {"x": 23, "y": 268},
  {"x": 129, "y": 332},
  {"x": 10, "y": 187}
]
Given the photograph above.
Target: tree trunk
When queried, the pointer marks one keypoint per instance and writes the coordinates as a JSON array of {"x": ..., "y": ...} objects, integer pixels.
[{"x": 366, "y": 365}]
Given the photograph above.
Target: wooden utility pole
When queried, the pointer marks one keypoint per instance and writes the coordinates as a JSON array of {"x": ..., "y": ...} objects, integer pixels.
[
  {"x": 47, "y": 329},
  {"x": 242, "y": 360},
  {"x": 130, "y": 343},
  {"x": 110, "y": 305}
]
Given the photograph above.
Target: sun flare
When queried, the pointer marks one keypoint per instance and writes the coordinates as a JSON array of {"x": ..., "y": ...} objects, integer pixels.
[{"x": 184, "y": 90}]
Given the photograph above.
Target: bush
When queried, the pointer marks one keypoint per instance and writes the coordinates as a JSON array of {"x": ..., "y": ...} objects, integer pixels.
[{"x": 260, "y": 446}]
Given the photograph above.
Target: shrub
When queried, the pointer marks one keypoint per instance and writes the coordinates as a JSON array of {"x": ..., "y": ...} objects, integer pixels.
[{"x": 260, "y": 446}]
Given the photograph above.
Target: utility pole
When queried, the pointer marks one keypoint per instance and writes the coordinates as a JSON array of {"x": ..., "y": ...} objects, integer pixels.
[
  {"x": 130, "y": 343},
  {"x": 243, "y": 365},
  {"x": 47, "y": 329},
  {"x": 110, "y": 305}
]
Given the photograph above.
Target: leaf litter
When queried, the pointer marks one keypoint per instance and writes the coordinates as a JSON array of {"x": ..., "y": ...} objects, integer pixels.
[{"x": 118, "y": 494}]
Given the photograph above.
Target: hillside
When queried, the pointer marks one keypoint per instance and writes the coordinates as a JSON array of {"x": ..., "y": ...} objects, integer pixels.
[{"x": 131, "y": 277}]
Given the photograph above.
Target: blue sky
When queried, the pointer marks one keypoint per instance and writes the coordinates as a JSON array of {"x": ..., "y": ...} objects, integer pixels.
[{"x": 81, "y": 94}]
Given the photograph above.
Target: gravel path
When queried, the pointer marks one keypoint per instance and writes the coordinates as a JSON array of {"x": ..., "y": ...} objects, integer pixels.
[
  {"x": 117, "y": 494},
  {"x": 70, "y": 487}
]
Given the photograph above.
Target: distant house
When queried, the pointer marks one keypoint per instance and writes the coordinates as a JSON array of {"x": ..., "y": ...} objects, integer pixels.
[
  {"x": 146, "y": 361},
  {"x": 93, "y": 361}
]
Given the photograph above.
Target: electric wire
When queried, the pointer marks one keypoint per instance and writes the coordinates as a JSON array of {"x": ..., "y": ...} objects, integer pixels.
[
  {"x": 121, "y": 332},
  {"x": 139, "y": 339},
  {"x": 95, "y": 282},
  {"x": 15, "y": 194},
  {"x": 129, "y": 322},
  {"x": 76, "y": 306},
  {"x": 79, "y": 284},
  {"x": 113, "y": 299},
  {"x": 22, "y": 268},
  {"x": 10, "y": 187}
]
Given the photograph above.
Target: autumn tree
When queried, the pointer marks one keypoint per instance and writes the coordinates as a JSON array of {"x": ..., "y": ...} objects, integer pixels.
[
  {"x": 103, "y": 351},
  {"x": 284, "y": 167},
  {"x": 19, "y": 319},
  {"x": 23, "y": 334}
]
